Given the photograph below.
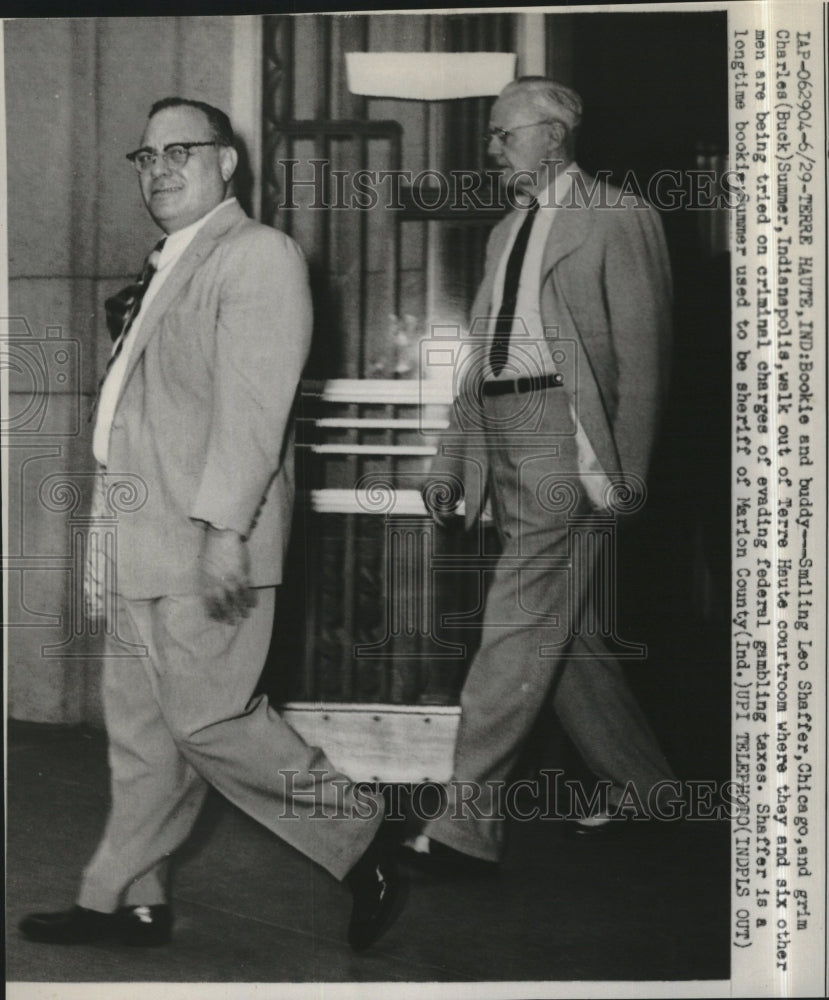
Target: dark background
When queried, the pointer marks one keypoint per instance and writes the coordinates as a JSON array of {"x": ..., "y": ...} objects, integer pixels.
[{"x": 655, "y": 93}]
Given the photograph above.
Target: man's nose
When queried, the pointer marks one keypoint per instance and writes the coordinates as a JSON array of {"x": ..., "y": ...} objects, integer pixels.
[
  {"x": 494, "y": 146},
  {"x": 158, "y": 166}
]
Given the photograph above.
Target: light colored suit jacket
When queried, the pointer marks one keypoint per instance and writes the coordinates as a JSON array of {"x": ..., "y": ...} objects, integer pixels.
[
  {"x": 205, "y": 413},
  {"x": 606, "y": 286}
]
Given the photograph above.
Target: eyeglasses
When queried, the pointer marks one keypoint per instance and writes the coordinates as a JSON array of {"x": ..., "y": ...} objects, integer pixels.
[
  {"x": 502, "y": 134},
  {"x": 174, "y": 154}
]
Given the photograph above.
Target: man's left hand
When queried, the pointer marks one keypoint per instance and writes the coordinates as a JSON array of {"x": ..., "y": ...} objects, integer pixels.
[{"x": 224, "y": 567}]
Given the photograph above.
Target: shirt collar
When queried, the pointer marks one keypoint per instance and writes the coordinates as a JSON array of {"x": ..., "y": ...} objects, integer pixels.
[
  {"x": 177, "y": 242},
  {"x": 554, "y": 195}
]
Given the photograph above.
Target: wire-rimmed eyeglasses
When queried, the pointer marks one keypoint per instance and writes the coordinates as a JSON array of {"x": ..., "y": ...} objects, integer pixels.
[
  {"x": 502, "y": 134},
  {"x": 174, "y": 154}
]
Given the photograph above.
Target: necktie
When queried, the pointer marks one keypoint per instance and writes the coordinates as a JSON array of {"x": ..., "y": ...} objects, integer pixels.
[
  {"x": 122, "y": 308},
  {"x": 499, "y": 349}
]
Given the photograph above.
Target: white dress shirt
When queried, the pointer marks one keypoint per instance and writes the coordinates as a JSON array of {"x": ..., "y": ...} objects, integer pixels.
[
  {"x": 529, "y": 354},
  {"x": 174, "y": 246}
]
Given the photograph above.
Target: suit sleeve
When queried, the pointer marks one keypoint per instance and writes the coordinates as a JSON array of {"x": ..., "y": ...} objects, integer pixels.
[
  {"x": 459, "y": 469},
  {"x": 638, "y": 290},
  {"x": 262, "y": 340}
]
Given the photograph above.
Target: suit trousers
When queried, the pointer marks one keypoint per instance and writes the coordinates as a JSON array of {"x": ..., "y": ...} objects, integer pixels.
[
  {"x": 180, "y": 715},
  {"x": 534, "y": 633}
]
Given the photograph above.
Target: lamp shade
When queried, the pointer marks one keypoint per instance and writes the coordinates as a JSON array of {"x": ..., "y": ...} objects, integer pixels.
[{"x": 429, "y": 76}]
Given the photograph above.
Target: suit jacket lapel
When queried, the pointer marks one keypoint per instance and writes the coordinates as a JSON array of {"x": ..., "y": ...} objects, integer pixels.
[
  {"x": 482, "y": 305},
  {"x": 203, "y": 242},
  {"x": 570, "y": 227},
  {"x": 569, "y": 230}
]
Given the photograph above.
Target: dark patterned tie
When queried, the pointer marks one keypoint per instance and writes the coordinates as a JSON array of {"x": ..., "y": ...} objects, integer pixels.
[
  {"x": 122, "y": 308},
  {"x": 499, "y": 349}
]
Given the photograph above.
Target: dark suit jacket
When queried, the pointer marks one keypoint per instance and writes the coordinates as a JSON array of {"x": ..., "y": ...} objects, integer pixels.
[
  {"x": 205, "y": 412},
  {"x": 606, "y": 286}
]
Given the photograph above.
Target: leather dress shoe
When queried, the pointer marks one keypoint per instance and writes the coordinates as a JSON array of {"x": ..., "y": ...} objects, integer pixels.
[
  {"x": 140, "y": 926},
  {"x": 442, "y": 861},
  {"x": 379, "y": 894}
]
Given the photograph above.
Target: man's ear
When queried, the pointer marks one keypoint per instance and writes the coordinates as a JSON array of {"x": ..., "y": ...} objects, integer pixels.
[
  {"x": 558, "y": 135},
  {"x": 228, "y": 158}
]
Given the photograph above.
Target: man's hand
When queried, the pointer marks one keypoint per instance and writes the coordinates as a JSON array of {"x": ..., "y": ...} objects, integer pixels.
[{"x": 224, "y": 583}]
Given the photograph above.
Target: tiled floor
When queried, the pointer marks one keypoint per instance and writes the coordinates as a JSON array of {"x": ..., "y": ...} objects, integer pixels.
[{"x": 250, "y": 909}]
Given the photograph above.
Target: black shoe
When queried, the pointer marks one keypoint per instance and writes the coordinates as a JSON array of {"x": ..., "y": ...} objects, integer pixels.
[
  {"x": 379, "y": 894},
  {"x": 140, "y": 926},
  {"x": 145, "y": 926},
  {"x": 599, "y": 832},
  {"x": 442, "y": 861}
]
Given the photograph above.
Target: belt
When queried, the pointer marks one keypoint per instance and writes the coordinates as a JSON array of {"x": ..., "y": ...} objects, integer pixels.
[{"x": 526, "y": 384}]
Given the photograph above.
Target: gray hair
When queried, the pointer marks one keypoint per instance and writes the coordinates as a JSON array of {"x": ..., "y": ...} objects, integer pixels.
[{"x": 551, "y": 99}]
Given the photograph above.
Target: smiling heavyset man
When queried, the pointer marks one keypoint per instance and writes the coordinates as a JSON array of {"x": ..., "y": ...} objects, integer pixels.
[{"x": 197, "y": 405}]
